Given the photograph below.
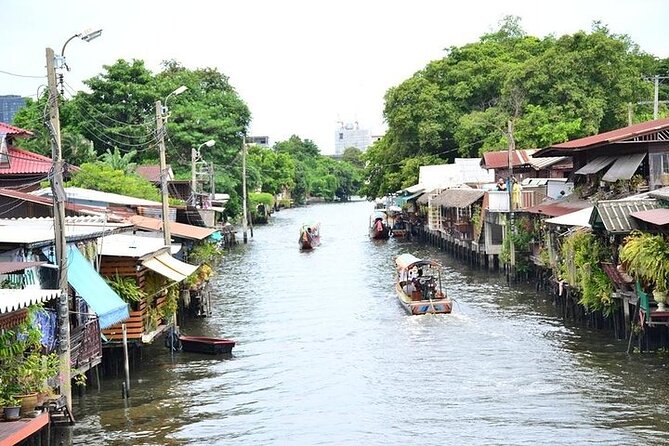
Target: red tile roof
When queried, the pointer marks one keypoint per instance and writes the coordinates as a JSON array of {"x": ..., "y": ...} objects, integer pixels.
[
  {"x": 15, "y": 131},
  {"x": 24, "y": 162},
  {"x": 625, "y": 133},
  {"x": 500, "y": 160}
]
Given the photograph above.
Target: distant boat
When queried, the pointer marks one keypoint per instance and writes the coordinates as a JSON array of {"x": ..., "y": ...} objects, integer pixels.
[
  {"x": 310, "y": 236},
  {"x": 207, "y": 345},
  {"x": 378, "y": 226},
  {"x": 418, "y": 286}
]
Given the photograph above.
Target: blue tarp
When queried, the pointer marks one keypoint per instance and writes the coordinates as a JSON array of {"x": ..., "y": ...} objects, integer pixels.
[
  {"x": 99, "y": 296},
  {"x": 216, "y": 236}
]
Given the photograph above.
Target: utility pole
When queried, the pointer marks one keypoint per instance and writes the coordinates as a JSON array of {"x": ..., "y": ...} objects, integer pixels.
[
  {"x": 656, "y": 97},
  {"x": 58, "y": 193},
  {"x": 193, "y": 182},
  {"x": 512, "y": 149},
  {"x": 244, "y": 222},
  {"x": 160, "y": 133}
]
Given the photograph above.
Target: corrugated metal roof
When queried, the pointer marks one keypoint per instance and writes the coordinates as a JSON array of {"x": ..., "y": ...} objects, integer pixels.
[
  {"x": 133, "y": 245},
  {"x": 661, "y": 193},
  {"x": 36, "y": 231},
  {"x": 595, "y": 165},
  {"x": 579, "y": 218},
  {"x": 543, "y": 163},
  {"x": 176, "y": 229},
  {"x": 614, "y": 215},
  {"x": 625, "y": 133},
  {"x": 152, "y": 173},
  {"x": 10, "y": 267},
  {"x": 555, "y": 208},
  {"x": 81, "y": 194},
  {"x": 13, "y": 300},
  {"x": 624, "y": 167},
  {"x": 657, "y": 217},
  {"x": 457, "y": 198},
  {"x": 500, "y": 160},
  {"x": 22, "y": 162},
  {"x": 12, "y": 130}
]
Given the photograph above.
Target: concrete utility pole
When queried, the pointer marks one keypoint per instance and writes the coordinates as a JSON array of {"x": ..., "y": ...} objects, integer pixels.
[
  {"x": 193, "y": 181},
  {"x": 58, "y": 193},
  {"x": 512, "y": 149},
  {"x": 160, "y": 133},
  {"x": 244, "y": 210},
  {"x": 656, "y": 97}
]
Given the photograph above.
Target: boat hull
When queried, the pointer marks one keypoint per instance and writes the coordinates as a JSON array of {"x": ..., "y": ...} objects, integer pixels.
[
  {"x": 206, "y": 345},
  {"x": 419, "y": 306}
]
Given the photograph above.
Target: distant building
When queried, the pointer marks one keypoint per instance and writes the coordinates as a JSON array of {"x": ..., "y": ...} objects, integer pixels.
[
  {"x": 258, "y": 140},
  {"x": 351, "y": 135},
  {"x": 9, "y": 105}
]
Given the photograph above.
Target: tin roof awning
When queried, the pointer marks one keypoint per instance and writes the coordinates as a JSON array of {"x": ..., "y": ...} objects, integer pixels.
[
  {"x": 614, "y": 215},
  {"x": 596, "y": 165},
  {"x": 10, "y": 267},
  {"x": 13, "y": 299},
  {"x": 624, "y": 167},
  {"x": 166, "y": 265}
]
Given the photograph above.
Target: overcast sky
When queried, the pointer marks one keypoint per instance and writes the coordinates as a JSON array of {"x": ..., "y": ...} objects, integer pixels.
[{"x": 301, "y": 66}]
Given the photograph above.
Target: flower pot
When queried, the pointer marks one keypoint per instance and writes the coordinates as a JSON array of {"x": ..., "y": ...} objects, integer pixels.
[
  {"x": 28, "y": 402},
  {"x": 660, "y": 297},
  {"x": 11, "y": 413}
]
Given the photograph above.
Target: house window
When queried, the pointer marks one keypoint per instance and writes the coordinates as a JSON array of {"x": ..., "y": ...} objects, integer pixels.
[{"x": 341, "y": 136}]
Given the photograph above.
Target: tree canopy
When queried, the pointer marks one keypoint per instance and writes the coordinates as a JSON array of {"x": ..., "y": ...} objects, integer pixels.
[{"x": 554, "y": 89}]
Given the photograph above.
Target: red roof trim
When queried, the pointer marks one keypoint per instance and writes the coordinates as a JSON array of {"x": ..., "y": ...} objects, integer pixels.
[
  {"x": 12, "y": 130},
  {"x": 622, "y": 134}
]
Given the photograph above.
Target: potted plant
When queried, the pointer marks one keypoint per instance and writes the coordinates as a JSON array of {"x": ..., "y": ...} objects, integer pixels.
[
  {"x": 11, "y": 408},
  {"x": 24, "y": 370},
  {"x": 646, "y": 256}
]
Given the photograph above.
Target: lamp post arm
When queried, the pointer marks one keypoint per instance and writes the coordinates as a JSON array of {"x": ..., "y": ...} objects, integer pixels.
[{"x": 62, "y": 52}]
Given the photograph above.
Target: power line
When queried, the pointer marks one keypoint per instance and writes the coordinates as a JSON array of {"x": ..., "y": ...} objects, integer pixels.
[{"x": 22, "y": 75}]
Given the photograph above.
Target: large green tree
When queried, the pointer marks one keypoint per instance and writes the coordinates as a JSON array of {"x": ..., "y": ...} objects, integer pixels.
[{"x": 553, "y": 89}]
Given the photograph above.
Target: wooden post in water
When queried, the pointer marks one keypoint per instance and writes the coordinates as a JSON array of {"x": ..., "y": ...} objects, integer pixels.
[{"x": 126, "y": 393}]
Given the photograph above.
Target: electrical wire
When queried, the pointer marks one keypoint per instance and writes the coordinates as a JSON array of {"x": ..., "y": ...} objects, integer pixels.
[{"x": 22, "y": 75}]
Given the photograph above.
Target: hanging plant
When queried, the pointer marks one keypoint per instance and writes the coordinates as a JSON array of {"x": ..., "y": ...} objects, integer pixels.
[
  {"x": 646, "y": 256},
  {"x": 126, "y": 288},
  {"x": 581, "y": 255}
]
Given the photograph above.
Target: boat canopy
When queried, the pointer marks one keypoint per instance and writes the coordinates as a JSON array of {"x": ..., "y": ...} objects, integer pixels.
[
  {"x": 311, "y": 224},
  {"x": 407, "y": 261}
]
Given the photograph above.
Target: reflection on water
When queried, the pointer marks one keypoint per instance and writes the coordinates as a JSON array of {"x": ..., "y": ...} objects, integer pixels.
[{"x": 325, "y": 355}]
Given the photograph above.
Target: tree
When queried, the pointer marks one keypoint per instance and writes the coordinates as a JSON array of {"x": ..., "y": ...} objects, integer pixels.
[{"x": 102, "y": 177}]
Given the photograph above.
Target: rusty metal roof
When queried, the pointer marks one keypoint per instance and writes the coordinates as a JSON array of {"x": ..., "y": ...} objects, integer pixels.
[
  {"x": 458, "y": 198},
  {"x": 180, "y": 230},
  {"x": 657, "y": 217},
  {"x": 614, "y": 215},
  {"x": 500, "y": 160},
  {"x": 10, "y": 267},
  {"x": 631, "y": 132},
  {"x": 556, "y": 208}
]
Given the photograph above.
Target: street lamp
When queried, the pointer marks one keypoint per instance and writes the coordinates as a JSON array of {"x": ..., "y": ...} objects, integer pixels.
[
  {"x": 86, "y": 36},
  {"x": 60, "y": 242},
  {"x": 195, "y": 156},
  {"x": 161, "y": 119}
]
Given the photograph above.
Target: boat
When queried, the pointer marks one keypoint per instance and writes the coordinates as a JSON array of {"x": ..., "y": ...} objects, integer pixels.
[
  {"x": 399, "y": 227},
  {"x": 378, "y": 226},
  {"x": 207, "y": 345},
  {"x": 418, "y": 286},
  {"x": 310, "y": 236}
]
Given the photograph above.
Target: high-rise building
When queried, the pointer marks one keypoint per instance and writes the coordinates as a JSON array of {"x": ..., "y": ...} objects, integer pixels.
[
  {"x": 351, "y": 135},
  {"x": 9, "y": 105}
]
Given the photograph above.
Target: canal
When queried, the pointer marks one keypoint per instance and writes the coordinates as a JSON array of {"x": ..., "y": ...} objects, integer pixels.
[{"x": 326, "y": 356}]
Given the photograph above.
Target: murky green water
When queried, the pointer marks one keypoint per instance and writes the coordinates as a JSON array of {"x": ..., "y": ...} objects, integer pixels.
[{"x": 326, "y": 356}]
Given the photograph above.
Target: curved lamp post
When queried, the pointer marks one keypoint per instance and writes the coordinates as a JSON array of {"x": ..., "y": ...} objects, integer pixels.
[
  {"x": 195, "y": 156},
  {"x": 86, "y": 36}
]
